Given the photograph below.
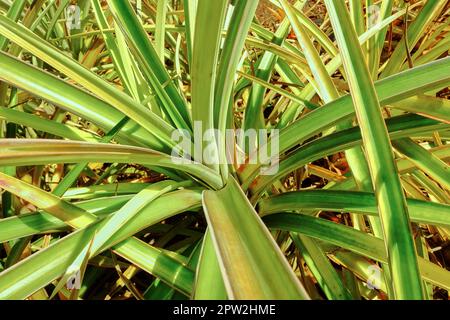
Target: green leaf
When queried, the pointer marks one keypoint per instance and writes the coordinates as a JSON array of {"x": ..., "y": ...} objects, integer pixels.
[
  {"x": 351, "y": 201},
  {"x": 209, "y": 284},
  {"x": 386, "y": 183},
  {"x": 252, "y": 265},
  {"x": 231, "y": 54},
  {"x": 424, "y": 160},
  {"x": 204, "y": 68},
  {"x": 161, "y": 12},
  {"x": 32, "y": 152},
  {"x": 351, "y": 239}
]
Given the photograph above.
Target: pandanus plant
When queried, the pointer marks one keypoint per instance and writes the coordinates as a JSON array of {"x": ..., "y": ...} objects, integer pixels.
[{"x": 355, "y": 98}]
